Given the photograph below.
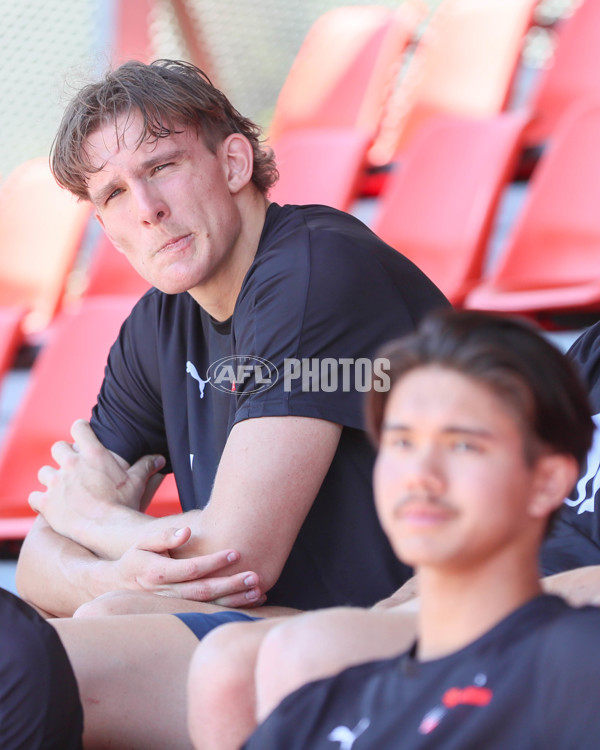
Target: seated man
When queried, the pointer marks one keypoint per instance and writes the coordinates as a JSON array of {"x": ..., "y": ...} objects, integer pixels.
[
  {"x": 242, "y": 371},
  {"x": 480, "y": 438},
  {"x": 571, "y": 551},
  {"x": 39, "y": 702}
]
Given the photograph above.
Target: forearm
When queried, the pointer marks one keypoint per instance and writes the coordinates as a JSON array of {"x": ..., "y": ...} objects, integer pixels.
[
  {"x": 578, "y": 586},
  {"x": 57, "y": 575}
]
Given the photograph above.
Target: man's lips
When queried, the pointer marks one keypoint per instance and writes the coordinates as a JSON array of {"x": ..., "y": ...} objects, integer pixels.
[
  {"x": 177, "y": 243},
  {"x": 422, "y": 512}
]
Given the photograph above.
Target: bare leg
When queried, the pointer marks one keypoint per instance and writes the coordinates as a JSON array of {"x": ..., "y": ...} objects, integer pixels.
[
  {"x": 132, "y": 673},
  {"x": 221, "y": 699},
  {"x": 144, "y": 603},
  {"x": 319, "y": 644}
]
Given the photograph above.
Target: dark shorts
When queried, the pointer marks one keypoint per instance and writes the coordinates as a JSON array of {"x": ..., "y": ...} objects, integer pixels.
[
  {"x": 39, "y": 701},
  {"x": 201, "y": 623}
]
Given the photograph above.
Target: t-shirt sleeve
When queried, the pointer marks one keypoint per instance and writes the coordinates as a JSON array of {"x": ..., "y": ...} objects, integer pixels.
[
  {"x": 319, "y": 317},
  {"x": 128, "y": 418},
  {"x": 569, "y": 683}
]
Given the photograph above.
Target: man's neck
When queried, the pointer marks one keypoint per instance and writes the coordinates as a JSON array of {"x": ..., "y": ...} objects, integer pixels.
[
  {"x": 219, "y": 295},
  {"x": 457, "y": 607}
]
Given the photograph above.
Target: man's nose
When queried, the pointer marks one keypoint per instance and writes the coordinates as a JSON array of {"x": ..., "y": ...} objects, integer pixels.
[
  {"x": 152, "y": 207},
  {"x": 425, "y": 470}
]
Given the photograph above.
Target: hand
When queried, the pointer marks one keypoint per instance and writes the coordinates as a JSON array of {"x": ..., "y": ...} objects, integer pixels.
[
  {"x": 148, "y": 566},
  {"x": 88, "y": 481}
]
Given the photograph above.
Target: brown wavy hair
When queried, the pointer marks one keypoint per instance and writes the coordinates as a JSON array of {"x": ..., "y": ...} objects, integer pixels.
[{"x": 169, "y": 95}]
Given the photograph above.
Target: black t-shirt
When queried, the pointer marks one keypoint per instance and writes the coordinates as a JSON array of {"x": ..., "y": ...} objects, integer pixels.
[
  {"x": 530, "y": 683},
  {"x": 574, "y": 539},
  {"x": 322, "y": 287}
]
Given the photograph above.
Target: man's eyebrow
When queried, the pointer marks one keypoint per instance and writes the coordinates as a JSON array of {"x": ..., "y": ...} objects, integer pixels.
[
  {"x": 481, "y": 432},
  {"x": 106, "y": 190},
  {"x": 165, "y": 156},
  {"x": 102, "y": 194}
]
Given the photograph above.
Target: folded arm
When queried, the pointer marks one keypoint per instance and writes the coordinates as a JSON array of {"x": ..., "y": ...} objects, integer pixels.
[{"x": 269, "y": 474}]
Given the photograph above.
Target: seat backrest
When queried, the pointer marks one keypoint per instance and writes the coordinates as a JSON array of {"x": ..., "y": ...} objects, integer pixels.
[
  {"x": 110, "y": 272},
  {"x": 345, "y": 69},
  {"x": 555, "y": 241},
  {"x": 320, "y": 165},
  {"x": 41, "y": 226},
  {"x": 572, "y": 73},
  {"x": 11, "y": 335},
  {"x": 64, "y": 384},
  {"x": 438, "y": 205},
  {"x": 464, "y": 64}
]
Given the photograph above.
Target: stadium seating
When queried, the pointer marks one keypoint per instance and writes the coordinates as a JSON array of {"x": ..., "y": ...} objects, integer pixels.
[
  {"x": 320, "y": 165},
  {"x": 464, "y": 65},
  {"x": 41, "y": 227},
  {"x": 63, "y": 386},
  {"x": 552, "y": 260},
  {"x": 109, "y": 272},
  {"x": 572, "y": 73},
  {"x": 345, "y": 69},
  {"x": 438, "y": 205}
]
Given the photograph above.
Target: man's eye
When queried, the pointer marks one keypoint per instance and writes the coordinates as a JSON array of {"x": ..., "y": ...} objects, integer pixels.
[
  {"x": 160, "y": 167},
  {"x": 114, "y": 194},
  {"x": 465, "y": 446}
]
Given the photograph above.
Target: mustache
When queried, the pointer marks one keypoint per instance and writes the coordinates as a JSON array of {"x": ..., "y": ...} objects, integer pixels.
[{"x": 424, "y": 499}]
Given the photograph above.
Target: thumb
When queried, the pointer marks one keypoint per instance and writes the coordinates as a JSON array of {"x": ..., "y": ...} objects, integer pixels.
[{"x": 146, "y": 466}]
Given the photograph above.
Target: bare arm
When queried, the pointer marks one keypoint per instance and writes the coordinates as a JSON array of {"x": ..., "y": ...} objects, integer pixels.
[
  {"x": 578, "y": 586},
  {"x": 269, "y": 474},
  {"x": 316, "y": 645}
]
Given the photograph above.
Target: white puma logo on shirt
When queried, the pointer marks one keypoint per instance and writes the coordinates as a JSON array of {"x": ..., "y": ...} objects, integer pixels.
[
  {"x": 191, "y": 370},
  {"x": 347, "y": 737}
]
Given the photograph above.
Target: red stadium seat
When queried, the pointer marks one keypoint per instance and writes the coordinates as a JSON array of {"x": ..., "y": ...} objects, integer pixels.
[
  {"x": 572, "y": 74},
  {"x": 64, "y": 383},
  {"x": 438, "y": 205},
  {"x": 345, "y": 69},
  {"x": 110, "y": 272},
  {"x": 320, "y": 166},
  {"x": 41, "y": 226},
  {"x": 464, "y": 65},
  {"x": 552, "y": 261}
]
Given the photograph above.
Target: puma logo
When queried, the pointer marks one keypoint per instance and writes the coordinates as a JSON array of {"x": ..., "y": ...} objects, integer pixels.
[
  {"x": 347, "y": 737},
  {"x": 191, "y": 370}
]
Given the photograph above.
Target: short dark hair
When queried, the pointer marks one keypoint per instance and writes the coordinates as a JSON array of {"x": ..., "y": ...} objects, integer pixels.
[
  {"x": 509, "y": 356},
  {"x": 169, "y": 94}
]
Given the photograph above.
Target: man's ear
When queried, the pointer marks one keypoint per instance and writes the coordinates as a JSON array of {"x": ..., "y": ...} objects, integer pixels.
[
  {"x": 238, "y": 161},
  {"x": 556, "y": 474}
]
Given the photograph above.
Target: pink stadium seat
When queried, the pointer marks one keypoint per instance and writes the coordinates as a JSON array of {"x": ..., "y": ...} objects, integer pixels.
[
  {"x": 41, "y": 226},
  {"x": 552, "y": 260},
  {"x": 464, "y": 65},
  {"x": 345, "y": 69},
  {"x": 573, "y": 72},
  {"x": 65, "y": 380},
  {"x": 439, "y": 203},
  {"x": 320, "y": 165},
  {"x": 110, "y": 272}
]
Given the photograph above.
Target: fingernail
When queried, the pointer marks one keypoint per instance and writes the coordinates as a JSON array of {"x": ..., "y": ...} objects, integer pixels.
[
  {"x": 232, "y": 556},
  {"x": 250, "y": 581},
  {"x": 179, "y": 532},
  {"x": 252, "y": 595}
]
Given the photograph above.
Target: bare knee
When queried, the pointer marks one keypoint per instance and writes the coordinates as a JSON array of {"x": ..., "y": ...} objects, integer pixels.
[{"x": 221, "y": 678}]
